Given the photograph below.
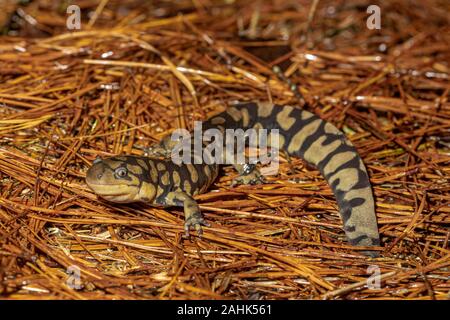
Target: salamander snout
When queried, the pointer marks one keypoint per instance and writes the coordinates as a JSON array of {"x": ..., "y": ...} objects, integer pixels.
[{"x": 95, "y": 173}]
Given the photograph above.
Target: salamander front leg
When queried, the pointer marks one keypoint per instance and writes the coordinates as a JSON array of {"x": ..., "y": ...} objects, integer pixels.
[{"x": 193, "y": 216}]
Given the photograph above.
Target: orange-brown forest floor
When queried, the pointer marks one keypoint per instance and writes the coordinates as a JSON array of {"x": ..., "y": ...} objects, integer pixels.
[{"x": 138, "y": 69}]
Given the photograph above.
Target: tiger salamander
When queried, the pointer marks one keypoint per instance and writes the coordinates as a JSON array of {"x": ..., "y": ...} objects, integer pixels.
[{"x": 159, "y": 181}]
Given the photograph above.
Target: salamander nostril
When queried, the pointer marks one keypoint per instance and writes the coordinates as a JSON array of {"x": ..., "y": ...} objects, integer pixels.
[{"x": 99, "y": 176}]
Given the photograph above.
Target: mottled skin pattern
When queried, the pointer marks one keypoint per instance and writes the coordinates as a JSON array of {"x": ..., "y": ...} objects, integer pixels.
[{"x": 159, "y": 181}]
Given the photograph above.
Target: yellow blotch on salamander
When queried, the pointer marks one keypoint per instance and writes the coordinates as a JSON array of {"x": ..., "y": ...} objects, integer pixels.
[
  {"x": 142, "y": 163},
  {"x": 192, "y": 172},
  {"x": 165, "y": 178},
  {"x": 284, "y": 120}
]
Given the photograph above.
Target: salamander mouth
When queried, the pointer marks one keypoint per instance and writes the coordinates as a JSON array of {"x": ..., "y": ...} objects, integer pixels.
[{"x": 112, "y": 190}]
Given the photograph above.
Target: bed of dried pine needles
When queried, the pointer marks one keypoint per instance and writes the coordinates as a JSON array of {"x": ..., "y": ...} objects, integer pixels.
[{"x": 137, "y": 70}]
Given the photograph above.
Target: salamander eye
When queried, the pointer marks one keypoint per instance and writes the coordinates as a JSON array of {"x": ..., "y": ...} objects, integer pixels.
[{"x": 121, "y": 172}]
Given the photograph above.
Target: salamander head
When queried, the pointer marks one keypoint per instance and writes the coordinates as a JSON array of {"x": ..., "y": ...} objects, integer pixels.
[{"x": 115, "y": 179}]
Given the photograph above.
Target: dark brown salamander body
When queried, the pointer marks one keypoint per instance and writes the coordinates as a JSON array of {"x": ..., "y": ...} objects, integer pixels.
[{"x": 161, "y": 182}]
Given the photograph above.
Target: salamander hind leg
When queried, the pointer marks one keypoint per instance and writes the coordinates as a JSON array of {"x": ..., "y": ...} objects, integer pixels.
[
  {"x": 193, "y": 217},
  {"x": 162, "y": 149},
  {"x": 248, "y": 174}
]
